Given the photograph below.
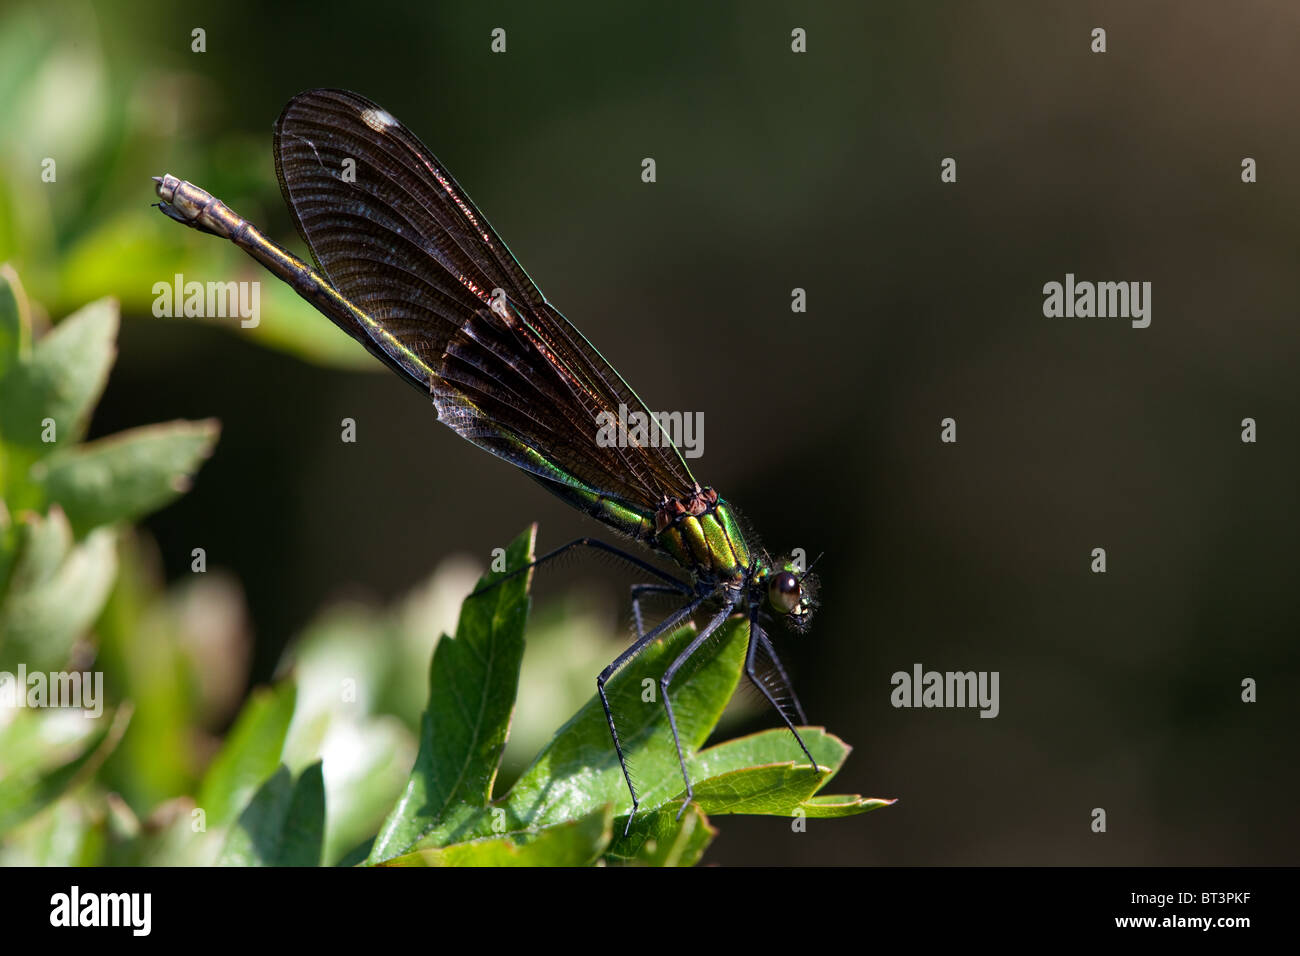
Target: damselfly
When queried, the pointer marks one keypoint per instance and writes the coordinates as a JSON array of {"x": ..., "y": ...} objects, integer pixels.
[{"x": 411, "y": 269}]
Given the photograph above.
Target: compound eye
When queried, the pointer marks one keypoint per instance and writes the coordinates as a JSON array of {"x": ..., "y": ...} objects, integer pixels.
[{"x": 784, "y": 592}]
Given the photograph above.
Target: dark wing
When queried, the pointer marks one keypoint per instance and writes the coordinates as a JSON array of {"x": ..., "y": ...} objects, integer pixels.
[{"x": 454, "y": 311}]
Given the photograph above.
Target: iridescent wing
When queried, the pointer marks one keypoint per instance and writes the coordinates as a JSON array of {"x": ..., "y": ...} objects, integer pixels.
[{"x": 455, "y": 312}]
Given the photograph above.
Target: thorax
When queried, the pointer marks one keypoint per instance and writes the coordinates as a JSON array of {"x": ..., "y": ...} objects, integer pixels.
[{"x": 700, "y": 533}]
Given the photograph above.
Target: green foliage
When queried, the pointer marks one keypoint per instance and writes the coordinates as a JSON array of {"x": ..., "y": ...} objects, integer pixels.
[
  {"x": 568, "y": 808},
  {"x": 448, "y": 814},
  {"x": 57, "y": 558},
  {"x": 472, "y": 685},
  {"x": 91, "y": 232},
  {"x": 250, "y": 754},
  {"x": 127, "y": 475},
  {"x": 283, "y": 825},
  {"x": 54, "y": 589},
  {"x": 62, "y": 506},
  {"x": 40, "y": 766},
  {"x": 377, "y": 736},
  {"x": 577, "y": 842}
]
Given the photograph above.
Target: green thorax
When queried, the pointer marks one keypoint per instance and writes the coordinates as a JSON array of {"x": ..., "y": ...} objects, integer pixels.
[{"x": 702, "y": 535}]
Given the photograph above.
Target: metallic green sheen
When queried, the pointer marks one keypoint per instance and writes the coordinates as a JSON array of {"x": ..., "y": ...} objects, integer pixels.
[
  {"x": 693, "y": 535},
  {"x": 735, "y": 537},
  {"x": 670, "y": 540},
  {"x": 711, "y": 544},
  {"x": 609, "y": 511},
  {"x": 606, "y": 510},
  {"x": 724, "y": 556}
]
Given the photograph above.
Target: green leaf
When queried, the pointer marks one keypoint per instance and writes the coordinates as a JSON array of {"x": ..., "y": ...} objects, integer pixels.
[
  {"x": 127, "y": 475},
  {"x": 774, "y": 790},
  {"x": 43, "y": 548},
  {"x": 15, "y": 322},
  {"x": 62, "y": 380},
  {"x": 72, "y": 832},
  {"x": 368, "y": 752},
  {"x": 27, "y": 788},
  {"x": 659, "y": 839},
  {"x": 358, "y": 855},
  {"x": 842, "y": 805},
  {"x": 754, "y": 774},
  {"x": 574, "y": 843},
  {"x": 772, "y": 747},
  {"x": 250, "y": 754},
  {"x": 283, "y": 825},
  {"x": 473, "y": 681},
  {"x": 578, "y": 770},
  {"x": 570, "y": 641},
  {"x": 139, "y": 636},
  {"x": 55, "y": 590},
  {"x": 377, "y": 755}
]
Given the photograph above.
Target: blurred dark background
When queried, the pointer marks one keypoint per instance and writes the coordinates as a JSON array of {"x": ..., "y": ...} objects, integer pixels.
[{"x": 819, "y": 171}]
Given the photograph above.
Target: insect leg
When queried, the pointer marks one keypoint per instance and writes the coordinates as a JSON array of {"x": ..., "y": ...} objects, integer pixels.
[
  {"x": 756, "y": 636},
  {"x": 598, "y": 545},
  {"x": 664, "y": 681},
  {"x": 672, "y": 621},
  {"x": 639, "y": 590}
]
